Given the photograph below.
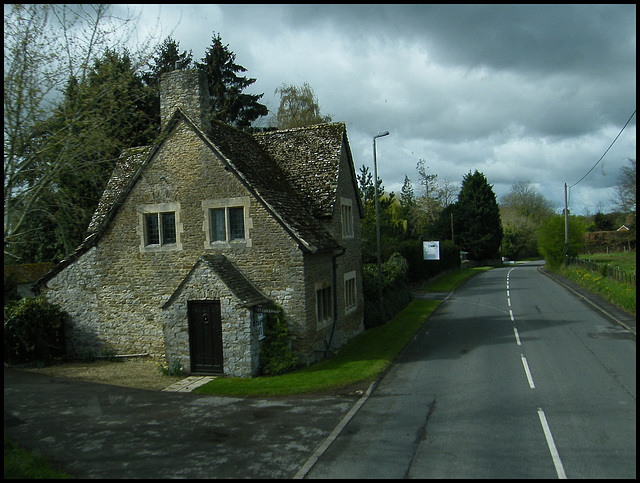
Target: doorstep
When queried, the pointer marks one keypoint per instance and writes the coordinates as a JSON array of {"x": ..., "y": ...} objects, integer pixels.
[{"x": 189, "y": 384}]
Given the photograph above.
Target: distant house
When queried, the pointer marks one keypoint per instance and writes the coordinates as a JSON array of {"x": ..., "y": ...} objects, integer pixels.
[
  {"x": 623, "y": 228},
  {"x": 25, "y": 275},
  {"x": 197, "y": 237}
]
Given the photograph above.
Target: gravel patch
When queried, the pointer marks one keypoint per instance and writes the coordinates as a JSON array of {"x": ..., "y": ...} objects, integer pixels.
[{"x": 140, "y": 374}]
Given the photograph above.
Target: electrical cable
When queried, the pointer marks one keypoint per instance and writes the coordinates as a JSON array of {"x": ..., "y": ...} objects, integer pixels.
[{"x": 623, "y": 128}]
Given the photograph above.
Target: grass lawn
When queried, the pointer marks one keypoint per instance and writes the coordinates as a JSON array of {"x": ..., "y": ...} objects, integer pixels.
[
  {"x": 362, "y": 359},
  {"x": 624, "y": 260},
  {"x": 20, "y": 463}
]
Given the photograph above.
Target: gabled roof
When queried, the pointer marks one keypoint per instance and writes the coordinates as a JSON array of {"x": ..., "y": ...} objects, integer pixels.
[
  {"x": 231, "y": 276},
  {"x": 249, "y": 158},
  {"x": 271, "y": 185},
  {"x": 27, "y": 273},
  {"x": 310, "y": 157}
]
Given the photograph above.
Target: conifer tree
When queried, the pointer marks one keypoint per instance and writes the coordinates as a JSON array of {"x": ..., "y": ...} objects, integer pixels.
[{"x": 228, "y": 101}]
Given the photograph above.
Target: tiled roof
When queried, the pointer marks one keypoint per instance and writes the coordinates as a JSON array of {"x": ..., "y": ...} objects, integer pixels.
[
  {"x": 231, "y": 276},
  {"x": 273, "y": 185},
  {"x": 235, "y": 280},
  {"x": 293, "y": 172},
  {"x": 131, "y": 160},
  {"x": 310, "y": 157}
]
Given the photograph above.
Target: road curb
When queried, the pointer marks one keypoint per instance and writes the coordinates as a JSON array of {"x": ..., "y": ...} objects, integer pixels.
[
  {"x": 311, "y": 461},
  {"x": 599, "y": 306}
]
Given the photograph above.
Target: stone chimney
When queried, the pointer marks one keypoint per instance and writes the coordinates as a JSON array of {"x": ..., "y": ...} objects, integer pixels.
[{"x": 188, "y": 90}]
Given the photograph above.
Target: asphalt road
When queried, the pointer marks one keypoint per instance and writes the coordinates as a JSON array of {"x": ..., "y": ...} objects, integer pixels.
[
  {"x": 104, "y": 431},
  {"x": 515, "y": 377}
]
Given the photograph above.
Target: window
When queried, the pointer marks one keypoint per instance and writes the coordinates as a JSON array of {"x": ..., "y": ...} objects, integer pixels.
[
  {"x": 227, "y": 221},
  {"x": 236, "y": 223},
  {"x": 159, "y": 227},
  {"x": 218, "y": 230},
  {"x": 350, "y": 297},
  {"x": 227, "y": 224},
  {"x": 258, "y": 322},
  {"x": 347, "y": 217},
  {"x": 324, "y": 305}
]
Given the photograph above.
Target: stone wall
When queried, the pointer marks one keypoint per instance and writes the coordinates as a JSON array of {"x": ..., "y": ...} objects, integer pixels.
[
  {"x": 114, "y": 293},
  {"x": 240, "y": 344}
]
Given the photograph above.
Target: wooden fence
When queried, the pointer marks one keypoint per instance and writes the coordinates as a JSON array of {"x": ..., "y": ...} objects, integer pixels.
[{"x": 615, "y": 273}]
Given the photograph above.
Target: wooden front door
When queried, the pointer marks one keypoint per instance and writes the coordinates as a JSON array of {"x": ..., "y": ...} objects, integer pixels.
[{"x": 205, "y": 336}]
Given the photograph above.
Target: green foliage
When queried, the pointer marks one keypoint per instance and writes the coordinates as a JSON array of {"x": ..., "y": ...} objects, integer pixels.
[
  {"x": 276, "y": 356},
  {"x": 33, "y": 330},
  {"x": 396, "y": 293},
  {"x": 521, "y": 211},
  {"x": 20, "y": 463},
  {"x": 551, "y": 238},
  {"x": 618, "y": 293},
  {"x": 172, "y": 369},
  {"x": 228, "y": 101},
  {"x": 75, "y": 150},
  {"x": 478, "y": 227},
  {"x": 298, "y": 107}
]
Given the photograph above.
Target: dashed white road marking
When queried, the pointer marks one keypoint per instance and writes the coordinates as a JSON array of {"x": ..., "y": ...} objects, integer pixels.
[
  {"x": 528, "y": 372},
  {"x": 557, "y": 462}
]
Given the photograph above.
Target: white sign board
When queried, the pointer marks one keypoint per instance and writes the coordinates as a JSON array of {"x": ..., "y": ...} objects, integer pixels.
[{"x": 431, "y": 250}]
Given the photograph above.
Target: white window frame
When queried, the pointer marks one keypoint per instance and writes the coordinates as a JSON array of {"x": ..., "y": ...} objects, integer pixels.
[
  {"x": 346, "y": 217},
  {"x": 159, "y": 209},
  {"x": 350, "y": 292},
  {"x": 226, "y": 204}
]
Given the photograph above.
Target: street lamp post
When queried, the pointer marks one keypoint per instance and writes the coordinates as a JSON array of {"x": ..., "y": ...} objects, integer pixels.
[{"x": 375, "y": 184}]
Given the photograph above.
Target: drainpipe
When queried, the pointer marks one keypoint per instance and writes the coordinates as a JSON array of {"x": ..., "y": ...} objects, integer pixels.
[{"x": 335, "y": 297}]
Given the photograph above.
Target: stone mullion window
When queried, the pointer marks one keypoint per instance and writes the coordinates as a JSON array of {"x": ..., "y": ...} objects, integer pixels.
[
  {"x": 324, "y": 304},
  {"x": 159, "y": 227},
  {"x": 350, "y": 294},
  {"x": 346, "y": 205},
  {"x": 227, "y": 222}
]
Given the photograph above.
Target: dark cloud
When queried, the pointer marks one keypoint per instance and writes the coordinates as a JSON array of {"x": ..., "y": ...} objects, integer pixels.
[{"x": 521, "y": 92}]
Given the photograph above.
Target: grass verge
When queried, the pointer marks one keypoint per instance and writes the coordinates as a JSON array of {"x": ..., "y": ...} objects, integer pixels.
[
  {"x": 362, "y": 359},
  {"x": 619, "y": 294},
  {"x": 20, "y": 463}
]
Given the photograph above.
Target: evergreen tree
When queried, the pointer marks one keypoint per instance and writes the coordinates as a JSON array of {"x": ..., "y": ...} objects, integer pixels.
[
  {"x": 167, "y": 59},
  {"x": 228, "y": 101},
  {"x": 103, "y": 114},
  {"x": 478, "y": 228}
]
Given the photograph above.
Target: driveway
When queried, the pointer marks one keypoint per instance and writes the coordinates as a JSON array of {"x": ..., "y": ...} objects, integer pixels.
[{"x": 105, "y": 431}]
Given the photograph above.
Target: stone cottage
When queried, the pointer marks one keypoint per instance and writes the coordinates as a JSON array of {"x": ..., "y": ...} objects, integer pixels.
[{"x": 196, "y": 238}]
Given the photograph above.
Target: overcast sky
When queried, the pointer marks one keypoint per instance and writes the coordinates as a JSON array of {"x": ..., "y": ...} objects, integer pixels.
[{"x": 520, "y": 93}]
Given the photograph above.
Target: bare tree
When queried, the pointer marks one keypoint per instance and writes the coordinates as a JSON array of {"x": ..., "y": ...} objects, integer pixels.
[
  {"x": 47, "y": 50},
  {"x": 626, "y": 189}
]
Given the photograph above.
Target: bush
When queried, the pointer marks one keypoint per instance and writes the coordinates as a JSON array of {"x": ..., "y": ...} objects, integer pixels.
[
  {"x": 396, "y": 293},
  {"x": 33, "y": 330},
  {"x": 275, "y": 352},
  {"x": 551, "y": 239}
]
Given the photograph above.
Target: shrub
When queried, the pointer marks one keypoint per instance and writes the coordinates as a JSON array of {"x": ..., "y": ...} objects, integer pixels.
[
  {"x": 33, "y": 330},
  {"x": 276, "y": 356},
  {"x": 396, "y": 293},
  {"x": 551, "y": 239}
]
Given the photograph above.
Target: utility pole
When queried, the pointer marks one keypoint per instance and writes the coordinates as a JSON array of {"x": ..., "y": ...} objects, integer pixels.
[
  {"x": 377, "y": 203},
  {"x": 566, "y": 225}
]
